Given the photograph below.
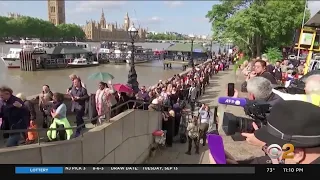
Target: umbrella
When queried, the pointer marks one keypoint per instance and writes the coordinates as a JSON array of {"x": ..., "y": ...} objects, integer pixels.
[
  {"x": 122, "y": 88},
  {"x": 101, "y": 76}
]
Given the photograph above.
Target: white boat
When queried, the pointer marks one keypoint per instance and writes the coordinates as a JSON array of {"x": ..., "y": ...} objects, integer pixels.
[
  {"x": 82, "y": 62},
  {"x": 143, "y": 55},
  {"x": 12, "y": 59}
]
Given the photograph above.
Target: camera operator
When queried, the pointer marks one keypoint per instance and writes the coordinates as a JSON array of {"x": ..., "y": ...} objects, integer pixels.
[
  {"x": 290, "y": 122},
  {"x": 260, "y": 88},
  {"x": 312, "y": 90}
]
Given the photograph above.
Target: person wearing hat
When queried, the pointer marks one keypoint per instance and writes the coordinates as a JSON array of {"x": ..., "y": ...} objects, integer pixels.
[{"x": 289, "y": 122}]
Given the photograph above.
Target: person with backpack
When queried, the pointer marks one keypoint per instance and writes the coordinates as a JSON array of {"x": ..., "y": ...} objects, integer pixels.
[
  {"x": 193, "y": 134},
  {"x": 59, "y": 115},
  {"x": 204, "y": 114}
]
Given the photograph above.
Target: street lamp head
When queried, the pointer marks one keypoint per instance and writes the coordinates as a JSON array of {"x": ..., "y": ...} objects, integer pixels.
[
  {"x": 191, "y": 36},
  {"x": 133, "y": 32}
]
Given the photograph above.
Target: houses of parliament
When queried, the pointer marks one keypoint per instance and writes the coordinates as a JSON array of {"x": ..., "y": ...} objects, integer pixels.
[{"x": 96, "y": 30}]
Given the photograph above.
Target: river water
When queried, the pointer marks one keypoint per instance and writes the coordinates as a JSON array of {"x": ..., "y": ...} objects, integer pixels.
[{"x": 30, "y": 83}]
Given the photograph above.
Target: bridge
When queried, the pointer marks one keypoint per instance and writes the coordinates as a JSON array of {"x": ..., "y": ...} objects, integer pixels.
[
  {"x": 127, "y": 139},
  {"x": 183, "y": 41}
]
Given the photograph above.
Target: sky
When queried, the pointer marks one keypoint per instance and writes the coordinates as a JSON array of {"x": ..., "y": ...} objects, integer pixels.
[{"x": 187, "y": 17}]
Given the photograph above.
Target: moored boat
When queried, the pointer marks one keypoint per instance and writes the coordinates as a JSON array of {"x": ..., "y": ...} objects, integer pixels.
[
  {"x": 141, "y": 55},
  {"x": 12, "y": 59},
  {"x": 82, "y": 62}
]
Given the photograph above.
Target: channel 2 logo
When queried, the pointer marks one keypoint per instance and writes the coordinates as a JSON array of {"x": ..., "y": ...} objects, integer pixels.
[{"x": 275, "y": 151}]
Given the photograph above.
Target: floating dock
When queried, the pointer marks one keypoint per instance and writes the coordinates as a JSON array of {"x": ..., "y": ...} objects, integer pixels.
[{"x": 167, "y": 64}]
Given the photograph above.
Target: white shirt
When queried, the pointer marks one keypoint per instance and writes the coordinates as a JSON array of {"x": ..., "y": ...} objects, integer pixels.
[{"x": 289, "y": 97}]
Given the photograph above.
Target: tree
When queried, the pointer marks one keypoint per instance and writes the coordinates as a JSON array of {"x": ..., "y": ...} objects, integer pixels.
[
  {"x": 70, "y": 32},
  {"x": 255, "y": 25},
  {"x": 24, "y": 26},
  {"x": 165, "y": 36}
]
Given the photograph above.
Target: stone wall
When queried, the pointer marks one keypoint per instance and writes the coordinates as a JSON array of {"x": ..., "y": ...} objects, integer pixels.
[{"x": 125, "y": 140}]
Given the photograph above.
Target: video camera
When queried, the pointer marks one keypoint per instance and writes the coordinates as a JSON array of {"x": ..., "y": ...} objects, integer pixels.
[{"x": 257, "y": 110}]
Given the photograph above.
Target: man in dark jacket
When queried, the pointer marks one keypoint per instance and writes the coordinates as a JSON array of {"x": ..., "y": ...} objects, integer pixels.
[
  {"x": 260, "y": 88},
  {"x": 14, "y": 115},
  {"x": 79, "y": 97},
  {"x": 277, "y": 72}
]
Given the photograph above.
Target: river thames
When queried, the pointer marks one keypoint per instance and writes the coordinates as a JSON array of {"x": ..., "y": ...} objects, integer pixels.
[{"x": 30, "y": 83}]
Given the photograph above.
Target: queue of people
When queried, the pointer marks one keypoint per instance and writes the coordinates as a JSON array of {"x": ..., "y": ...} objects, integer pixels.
[{"x": 172, "y": 96}]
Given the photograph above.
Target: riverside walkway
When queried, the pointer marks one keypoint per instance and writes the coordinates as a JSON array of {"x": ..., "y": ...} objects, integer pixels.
[
  {"x": 127, "y": 138},
  {"x": 240, "y": 149}
]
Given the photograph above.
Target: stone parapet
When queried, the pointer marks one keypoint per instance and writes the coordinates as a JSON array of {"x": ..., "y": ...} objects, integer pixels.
[{"x": 125, "y": 140}]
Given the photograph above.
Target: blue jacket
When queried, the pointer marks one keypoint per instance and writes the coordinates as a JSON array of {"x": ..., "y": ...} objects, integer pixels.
[{"x": 13, "y": 117}]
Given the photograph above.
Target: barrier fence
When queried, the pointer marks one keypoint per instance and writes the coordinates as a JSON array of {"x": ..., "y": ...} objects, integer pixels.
[{"x": 39, "y": 130}]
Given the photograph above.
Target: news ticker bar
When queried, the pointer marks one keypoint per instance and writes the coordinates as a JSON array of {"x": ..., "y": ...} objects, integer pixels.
[{"x": 135, "y": 170}]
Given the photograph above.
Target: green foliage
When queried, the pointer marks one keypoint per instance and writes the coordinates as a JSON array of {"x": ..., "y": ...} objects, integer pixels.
[
  {"x": 273, "y": 54},
  {"x": 25, "y": 26},
  {"x": 255, "y": 25},
  {"x": 163, "y": 36}
]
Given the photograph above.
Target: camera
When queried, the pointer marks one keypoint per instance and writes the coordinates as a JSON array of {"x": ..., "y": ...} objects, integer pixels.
[{"x": 257, "y": 110}]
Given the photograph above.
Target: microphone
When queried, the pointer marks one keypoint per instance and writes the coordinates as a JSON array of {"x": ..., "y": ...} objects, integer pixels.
[{"x": 233, "y": 101}]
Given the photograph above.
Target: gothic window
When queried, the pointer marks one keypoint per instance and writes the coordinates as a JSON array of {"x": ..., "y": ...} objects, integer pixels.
[{"x": 52, "y": 9}]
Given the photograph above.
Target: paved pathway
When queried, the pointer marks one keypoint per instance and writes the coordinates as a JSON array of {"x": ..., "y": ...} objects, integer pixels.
[{"x": 240, "y": 149}]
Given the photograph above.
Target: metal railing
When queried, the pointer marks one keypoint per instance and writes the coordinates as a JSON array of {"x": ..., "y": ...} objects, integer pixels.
[{"x": 38, "y": 130}]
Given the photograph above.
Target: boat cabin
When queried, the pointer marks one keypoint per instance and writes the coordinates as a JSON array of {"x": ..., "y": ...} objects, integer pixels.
[{"x": 67, "y": 52}]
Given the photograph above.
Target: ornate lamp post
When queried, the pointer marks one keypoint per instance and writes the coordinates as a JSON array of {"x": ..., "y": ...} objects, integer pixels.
[
  {"x": 191, "y": 63},
  {"x": 132, "y": 76}
]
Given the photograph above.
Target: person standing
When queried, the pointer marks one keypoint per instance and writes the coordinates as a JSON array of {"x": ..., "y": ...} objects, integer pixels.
[
  {"x": 193, "y": 135},
  {"x": 103, "y": 103},
  {"x": 192, "y": 96},
  {"x": 277, "y": 72},
  {"x": 79, "y": 97},
  {"x": 14, "y": 115}
]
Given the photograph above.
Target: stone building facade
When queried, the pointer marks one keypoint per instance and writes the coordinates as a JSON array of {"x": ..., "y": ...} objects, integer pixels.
[
  {"x": 56, "y": 11},
  {"x": 103, "y": 31},
  {"x": 14, "y": 15}
]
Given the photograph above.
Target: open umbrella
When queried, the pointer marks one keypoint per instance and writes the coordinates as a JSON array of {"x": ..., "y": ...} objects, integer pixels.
[
  {"x": 101, "y": 76},
  {"x": 122, "y": 88}
]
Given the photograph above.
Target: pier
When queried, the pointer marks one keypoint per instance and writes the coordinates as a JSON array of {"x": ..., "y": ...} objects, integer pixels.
[{"x": 167, "y": 64}]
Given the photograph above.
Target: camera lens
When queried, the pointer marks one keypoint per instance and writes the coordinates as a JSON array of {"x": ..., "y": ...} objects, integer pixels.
[
  {"x": 232, "y": 124},
  {"x": 246, "y": 125}
]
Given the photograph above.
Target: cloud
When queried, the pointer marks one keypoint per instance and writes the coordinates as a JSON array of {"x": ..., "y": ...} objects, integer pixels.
[
  {"x": 154, "y": 19},
  {"x": 314, "y": 7},
  {"x": 91, "y": 6},
  {"x": 173, "y": 4}
]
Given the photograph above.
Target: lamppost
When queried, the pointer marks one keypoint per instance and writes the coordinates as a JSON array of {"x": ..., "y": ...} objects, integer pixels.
[
  {"x": 132, "y": 76},
  {"x": 191, "y": 63}
]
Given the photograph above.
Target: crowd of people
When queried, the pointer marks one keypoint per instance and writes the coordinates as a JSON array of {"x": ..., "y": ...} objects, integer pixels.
[
  {"x": 293, "y": 118},
  {"x": 172, "y": 97}
]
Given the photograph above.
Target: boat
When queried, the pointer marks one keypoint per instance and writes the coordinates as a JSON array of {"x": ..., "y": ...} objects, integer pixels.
[
  {"x": 12, "y": 59},
  {"x": 141, "y": 56},
  {"x": 12, "y": 42},
  {"x": 82, "y": 62}
]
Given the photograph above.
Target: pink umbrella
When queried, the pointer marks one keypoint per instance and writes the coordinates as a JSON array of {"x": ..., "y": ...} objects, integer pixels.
[{"x": 122, "y": 88}]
